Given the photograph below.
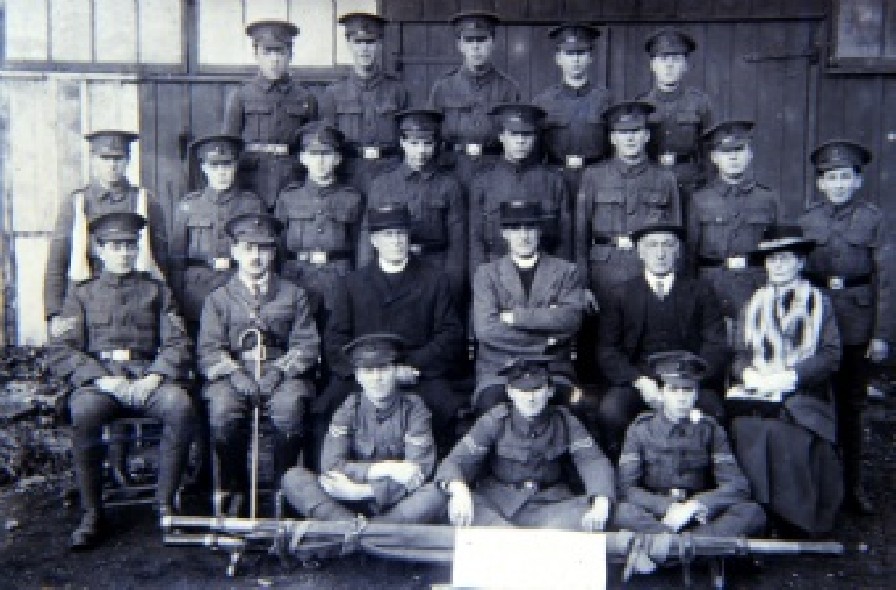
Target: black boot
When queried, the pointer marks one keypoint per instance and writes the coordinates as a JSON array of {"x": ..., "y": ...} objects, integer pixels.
[{"x": 89, "y": 531}]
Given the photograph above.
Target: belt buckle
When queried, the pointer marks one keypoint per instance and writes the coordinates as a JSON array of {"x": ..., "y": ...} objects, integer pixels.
[
  {"x": 736, "y": 262},
  {"x": 574, "y": 161},
  {"x": 667, "y": 159},
  {"x": 530, "y": 485},
  {"x": 317, "y": 257},
  {"x": 624, "y": 243},
  {"x": 120, "y": 355},
  {"x": 836, "y": 283},
  {"x": 678, "y": 494},
  {"x": 415, "y": 248},
  {"x": 278, "y": 149},
  {"x": 473, "y": 149},
  {"x": 371, "y": 152},
  {"x": 221, "y": 263}
]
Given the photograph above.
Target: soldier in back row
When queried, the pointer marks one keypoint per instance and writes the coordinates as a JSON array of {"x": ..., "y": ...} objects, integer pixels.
[
  {"x": 363, "y": 104},
  {"x": 267, "y": 112}
]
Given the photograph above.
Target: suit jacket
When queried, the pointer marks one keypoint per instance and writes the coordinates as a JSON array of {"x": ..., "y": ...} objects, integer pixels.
[
  {"x": 545, "y": 322},
  {"x": 417, "y": 304},
  {"x": 622, "y": 325}
]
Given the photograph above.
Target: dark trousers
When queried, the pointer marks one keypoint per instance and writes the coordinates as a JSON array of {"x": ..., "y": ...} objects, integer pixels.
[
  {"x": 849, "y": 384},
  {"x": 739, "y": 519},
  {"x": 91, "y": 408}
]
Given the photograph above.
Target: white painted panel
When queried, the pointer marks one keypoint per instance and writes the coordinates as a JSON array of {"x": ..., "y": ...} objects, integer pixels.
[
  {"x": 316, "y": 41},
  {"x": 222, "y": 38},
  {"x": 70, "y": 30},
  {"x": 115, "y": 105},
  {"x": 32, "y": 154},
  {"x": 161, "y": 31},
  {"x": 344, "y": 7},
  {"x": 115, "y": 31},
  {"x": 265, "y": 9},
  {"x": 30, "y": 261},
  {"x": 26, "y": 30}
]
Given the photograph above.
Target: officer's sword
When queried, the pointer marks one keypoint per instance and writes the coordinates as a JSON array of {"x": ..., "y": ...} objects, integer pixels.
[{"x": 257, "y": 355}]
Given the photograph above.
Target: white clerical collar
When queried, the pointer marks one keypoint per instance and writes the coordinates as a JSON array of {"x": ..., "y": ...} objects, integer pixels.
[
  {"x": 392, "y": 267},
  {"x": 525, "y": 263},
  {"x": 655, "y": 281}
]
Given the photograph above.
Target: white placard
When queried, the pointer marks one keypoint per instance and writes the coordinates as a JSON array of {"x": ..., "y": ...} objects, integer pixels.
[{"x": 494, "y": 557}]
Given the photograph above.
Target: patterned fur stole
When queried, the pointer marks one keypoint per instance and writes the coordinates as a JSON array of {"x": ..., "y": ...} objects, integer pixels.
[{"x": 783, "y": 329}]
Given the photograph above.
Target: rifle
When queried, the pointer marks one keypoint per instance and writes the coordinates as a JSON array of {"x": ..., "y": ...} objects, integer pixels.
[{"x": 309, "y": 539}]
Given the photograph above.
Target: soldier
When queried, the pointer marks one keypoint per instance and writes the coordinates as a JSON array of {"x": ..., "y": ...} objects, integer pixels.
[
  {"x": 619, "y": 196},
  {"x": 363, "y": 105},
  {"x": 515, "y": 455},
  {"x": 322, "y": 219},
  {"x": 682, "y": 114},
  {"x": 379, "y": 448},
  {"x": 255, "y": 299},
  {"x": 401, "y": 294},
  {"x": 69, "y": 259},
  {"x": 123, "y": 348},
  {"x": 676, "y": 471},
  {"x": 727, "y": 218},
  {"x": 657, "y": 311},
  {"x": 200, "y": 248},
  {"x": 517, "y": 175},
  {"x": 848, "y": 262},
  {"x": 268, "y": 111},
  {"x": 575, "y": 135},
  {"x": 525, "y": 303},
  {"x": 466, "y": 94},
  {"x": 433, "y": 196}
]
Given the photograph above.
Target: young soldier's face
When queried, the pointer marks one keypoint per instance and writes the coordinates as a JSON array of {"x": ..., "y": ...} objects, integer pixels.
[
  {"x": 220, "y": 175},
  {"x": 668, "y": 69},
  {"x": 530, "y": 402},
  {"x": 839, "y": 184},
  {"x": 659, "y": 251},
  {"x": 118, "y": 256},
  {"x": 418, "y": 151},
  {"x": 364, "y": 52},
  {"x": 391, "y": 245},
  {"x": 783, "y": 267},
  {"x": 522, "y": 241},
  {"x": 629, "y": 143},
  {"x": 476, "y": 51},
  {"x": 732, "y": 163},
  {"x": 273, "y": 62},
  {"x": 377, "y": 383},
  {"x": 109, "y": 170},
  {"x": 253, "y": 260},
  {"x": 678, "y": 400},
  {"x": 321, "y": 165},
  {"x": 574, "y": 63},
  {"x": 518, "y": 145}
]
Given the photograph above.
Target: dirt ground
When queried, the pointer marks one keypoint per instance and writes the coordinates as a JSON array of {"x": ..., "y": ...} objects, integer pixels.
[{"x": 36, "y": 519}]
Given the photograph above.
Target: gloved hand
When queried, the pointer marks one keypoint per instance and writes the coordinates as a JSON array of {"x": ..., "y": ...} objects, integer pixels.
[
  {"x": 245, "y": 385},
  {"x": 271, "y": 377}
]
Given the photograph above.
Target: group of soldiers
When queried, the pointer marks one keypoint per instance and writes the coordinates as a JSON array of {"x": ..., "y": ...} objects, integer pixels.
[{"x": 365, "y": 245}]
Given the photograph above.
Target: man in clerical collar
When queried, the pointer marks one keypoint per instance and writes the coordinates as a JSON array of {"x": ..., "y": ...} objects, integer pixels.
[
  {"x": 525, "y": 302},
  {"x": 255, "y": 299},
  {"x": 200, "y": 249},
  {"x": 655, "y": 311},
  {"x": 363, "y": 104},
  {"x": 399, "y": 293},
  {"x": 267, "y": 111},
  {"x": 378, "y": 451}
]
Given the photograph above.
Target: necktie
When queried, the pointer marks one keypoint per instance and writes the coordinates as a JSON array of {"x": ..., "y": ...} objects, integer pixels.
[{"x": 660, "y": 289}]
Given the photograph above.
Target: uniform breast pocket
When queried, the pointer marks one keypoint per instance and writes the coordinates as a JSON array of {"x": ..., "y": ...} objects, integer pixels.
[
  {"x": 257, "y": 113},
  {"x": 860, "y": 233},
  {"x": 299, "y": 222},
  {"x": 818, "y": 232},
  {"x": 714, "y": 227},
  {"x": 143, "y": 319},
  {"x": 433, "y": 220},
  {"x": 862, "y": 296},
  {"x": 348, "y": 117},
  {"x": 99, "y": 319},
  {"x": 456, "y": 112},
  {"x": 200, "y": 238},
  {"x": 609, "y": 211},
  {"x": 656, "y": 205},
  {"x": 512, "y": 450}
]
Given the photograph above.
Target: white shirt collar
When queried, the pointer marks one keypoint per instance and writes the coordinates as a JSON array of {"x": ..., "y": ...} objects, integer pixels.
[
  {"x": 392, "y": 268},
  {"x": 654, "y": 281}
]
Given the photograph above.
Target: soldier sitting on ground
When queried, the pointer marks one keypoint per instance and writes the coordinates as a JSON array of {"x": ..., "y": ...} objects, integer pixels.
[
  {"x": 379, "y": 449},
  {"x": 124, "y": 349},
  {"x": 677, "y": 471},
  {"x": 255, "y": 299},
  {"x": 513, "y": 461}
]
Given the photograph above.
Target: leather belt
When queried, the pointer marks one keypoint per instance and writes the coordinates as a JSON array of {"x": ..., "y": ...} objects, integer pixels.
[
  {"x": 318, "y": 256},
  {"x": 532, "y": 486},
  {"x": 219, "y": 264},
  {"x": 123, "y": 355},
  {"x": 671, "y": 158},
  {"x": 472, "y": 149},
  {"x": 623, "y": 241},
  {"x": 277, "y": 149},
  {"x": 731, "y": 263},
  {"x": 369, "y": 152},
  {"x": 838, "y": 283},
  {"x": 574, "y": 161},
  {"x": 270, "y": 353},
  {"x": 424, "y": 248}
]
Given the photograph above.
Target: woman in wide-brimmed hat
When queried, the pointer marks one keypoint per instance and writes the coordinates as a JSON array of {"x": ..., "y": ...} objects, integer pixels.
[{"x": 787, "y": 347}]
